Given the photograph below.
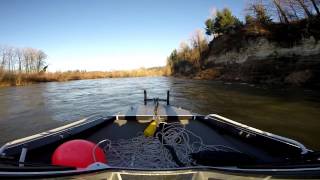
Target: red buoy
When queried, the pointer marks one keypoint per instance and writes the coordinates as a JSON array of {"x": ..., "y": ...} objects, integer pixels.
[{"x": 77, "y": 153}]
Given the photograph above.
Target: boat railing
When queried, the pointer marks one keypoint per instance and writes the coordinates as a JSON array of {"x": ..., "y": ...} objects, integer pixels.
[
  {"x": 146, "y": 99},
  {"x": 304, "y": 150},
  {"x": 48, "y": 133}
]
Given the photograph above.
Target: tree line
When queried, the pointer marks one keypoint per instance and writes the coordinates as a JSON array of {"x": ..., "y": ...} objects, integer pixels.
[
  {"x": 189, "y": 57},
  {"x": 189, "y": 54},
  {"x": 284, "y": 11},
  {"x": 264, "y": 12},
  {"x": 22, "y": 60}
]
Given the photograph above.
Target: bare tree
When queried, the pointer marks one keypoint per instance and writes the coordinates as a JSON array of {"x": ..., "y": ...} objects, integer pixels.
[
  {"x": 19, "y": 55},
  {"x": 263, "y": 11},
  {"x": 260, "y": 13},
  {"x": 3, "y": 58},
  {"x": 17, "y": 60},
  {"x": 41, "y": 56},
  {"x": 285, "y": 10},
  {"x": 26, "y": 59},
  {"x": 184, "y": 50},
  {"x": 10, "y": 59},
  {"x": 281, "y": 11},
  {"x": 314, "y": 3},
  {"x": 303, "y": 4},
  {"x": 199, "y": 42},
  {"x": 294, "y": 13}
]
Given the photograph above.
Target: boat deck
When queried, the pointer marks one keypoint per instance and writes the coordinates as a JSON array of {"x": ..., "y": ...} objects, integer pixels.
[
  {"x": 265, "y": 152},
  {"x": 127, "y": 129}
]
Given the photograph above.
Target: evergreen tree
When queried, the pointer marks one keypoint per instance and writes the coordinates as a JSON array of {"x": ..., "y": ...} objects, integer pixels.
[{"x": 224, "y": 23}]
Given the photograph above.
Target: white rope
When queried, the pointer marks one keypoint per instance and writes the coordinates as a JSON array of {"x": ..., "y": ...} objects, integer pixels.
[{"x": 151, "y": 152}]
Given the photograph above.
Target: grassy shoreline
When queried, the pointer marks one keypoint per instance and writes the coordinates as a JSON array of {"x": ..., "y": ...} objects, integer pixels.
[{"x": 22, "y": 79}]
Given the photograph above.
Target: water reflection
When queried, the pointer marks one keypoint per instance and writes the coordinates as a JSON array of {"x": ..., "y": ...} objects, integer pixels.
[
  {"x": 27, "y": 110},
  {"x": 24, "y": 111}
]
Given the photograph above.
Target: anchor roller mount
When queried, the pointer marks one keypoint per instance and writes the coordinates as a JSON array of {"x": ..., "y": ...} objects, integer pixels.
[{"x": 156, "y": 99}]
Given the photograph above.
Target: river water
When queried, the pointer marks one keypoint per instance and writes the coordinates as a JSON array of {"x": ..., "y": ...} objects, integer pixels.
[{"x": 32, "y": 109}]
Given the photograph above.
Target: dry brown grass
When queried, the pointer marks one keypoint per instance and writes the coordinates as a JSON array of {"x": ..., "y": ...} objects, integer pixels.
[{"x": 19, "y": 79}]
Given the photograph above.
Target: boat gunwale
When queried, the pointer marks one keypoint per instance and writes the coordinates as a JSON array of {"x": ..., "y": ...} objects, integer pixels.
[
  {"x": 288, "y": 141},
  {"x": 274, "y": 172},
  {"x": 53, "y": 132}
]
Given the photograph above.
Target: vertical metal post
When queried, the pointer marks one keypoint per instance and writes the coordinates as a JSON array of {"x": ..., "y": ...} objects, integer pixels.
[
  {"x": 168, "y": 97},
  {"x": 22, "y": 157},
  {"x": 145, "y": 97}
]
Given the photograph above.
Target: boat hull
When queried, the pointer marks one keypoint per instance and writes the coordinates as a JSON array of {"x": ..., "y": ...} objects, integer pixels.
[{"x": 276, "y": 156}]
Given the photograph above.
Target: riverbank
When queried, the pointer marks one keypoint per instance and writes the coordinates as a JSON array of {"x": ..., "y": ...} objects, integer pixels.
[
  {"x": 21, "y": 79},
  {"x": 258, "y": 61},
  {"x": 261, "y": 50},
  {"x": 261, "y": 61},
  {"x": 255, "y": 57}
]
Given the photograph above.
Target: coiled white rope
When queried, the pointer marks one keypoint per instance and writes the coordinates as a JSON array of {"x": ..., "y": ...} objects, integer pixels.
[{"x": 151, "y": 152}]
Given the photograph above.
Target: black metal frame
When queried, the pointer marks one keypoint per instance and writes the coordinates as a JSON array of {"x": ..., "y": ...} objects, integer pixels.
[{"x": 156, "y": 99}]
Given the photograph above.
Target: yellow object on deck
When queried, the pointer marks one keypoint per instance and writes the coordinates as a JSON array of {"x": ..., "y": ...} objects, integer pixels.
[{"x": 151, "y": 129}]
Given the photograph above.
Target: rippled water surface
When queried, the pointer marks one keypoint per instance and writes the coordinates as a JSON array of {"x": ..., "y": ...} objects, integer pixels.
[{"x": 31, "y": 109}]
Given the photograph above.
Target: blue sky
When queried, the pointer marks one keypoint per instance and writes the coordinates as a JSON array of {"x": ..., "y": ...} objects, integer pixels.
[{"x": 105, "y": 34}]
